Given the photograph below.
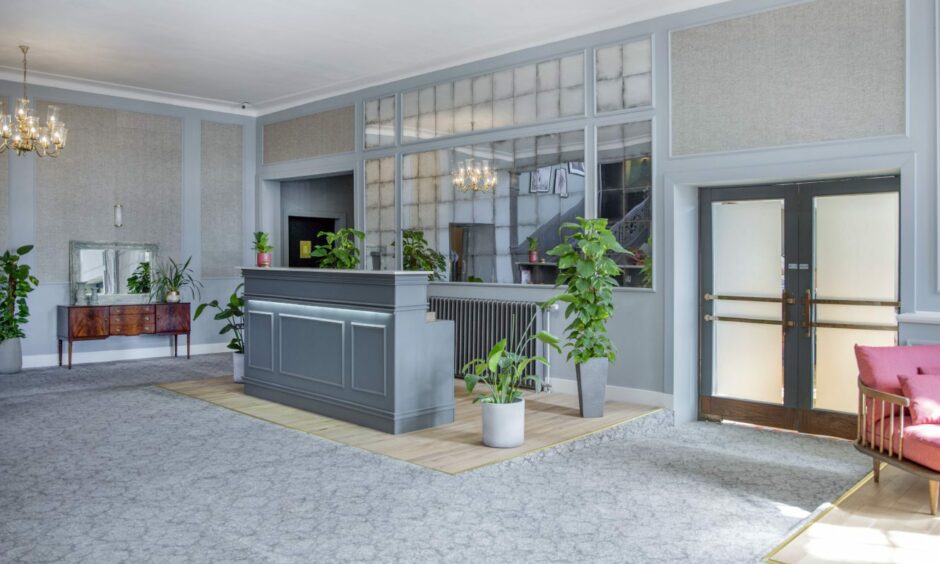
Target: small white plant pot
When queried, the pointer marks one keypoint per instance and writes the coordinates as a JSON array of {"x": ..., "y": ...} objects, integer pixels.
[
  {"x": 238, "y": 366},
  {"x": 504, "y": 424},
  {"x": 172, "y": 297}
]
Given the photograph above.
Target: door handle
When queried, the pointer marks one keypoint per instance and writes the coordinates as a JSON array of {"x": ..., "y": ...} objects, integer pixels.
[
  {"x": 786, "y": 300},
  {"x": 808, "y": 312}
]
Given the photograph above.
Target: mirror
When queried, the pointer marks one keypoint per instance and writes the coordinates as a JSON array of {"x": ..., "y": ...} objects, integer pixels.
[{"x": 108, "y": 273}]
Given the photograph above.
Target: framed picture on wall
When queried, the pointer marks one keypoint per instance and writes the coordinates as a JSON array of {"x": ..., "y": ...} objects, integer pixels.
[
  {"x": 561, "y": 182},
  {"x": 576, "y": 168},
  {"x": 541, "y": 180}
]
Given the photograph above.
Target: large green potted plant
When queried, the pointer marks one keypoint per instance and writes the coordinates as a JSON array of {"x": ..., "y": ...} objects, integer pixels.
[
  {"x": 263, "y": 248},
  {"x": 503, "y": 372},
  {"x": 16, "y": 283},
  {"x": 417, "y": 255},
  {"x": 340, "y": 250},
  {"x": 171, "y": 278},
  {"x": 233, "y": 314},
  {"x": 589, "y": 277}
]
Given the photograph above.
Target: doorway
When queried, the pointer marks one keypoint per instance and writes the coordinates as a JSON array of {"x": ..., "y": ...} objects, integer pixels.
[
  {"x": 303, "y": 236},
  {"x": 308, "y": 207},
  {"x": 792, "y": 277}
]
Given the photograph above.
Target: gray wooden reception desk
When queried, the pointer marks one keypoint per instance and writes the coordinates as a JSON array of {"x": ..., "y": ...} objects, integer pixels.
[{"x": 351, "y": 345}]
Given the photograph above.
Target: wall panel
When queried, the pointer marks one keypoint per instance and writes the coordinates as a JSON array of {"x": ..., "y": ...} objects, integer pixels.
[
  {"x": 818, "y": 71},
  {"x": 324, "y": 133},
  {"x": 113, "y": 157},
  {"x": 221, "y": 198}
]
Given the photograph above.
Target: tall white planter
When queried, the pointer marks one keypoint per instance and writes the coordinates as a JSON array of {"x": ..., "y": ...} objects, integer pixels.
[
  {"x": 238, "y": 366},
  {"x": 11, "y": 356},
  {"x": 504, "y": 424}
]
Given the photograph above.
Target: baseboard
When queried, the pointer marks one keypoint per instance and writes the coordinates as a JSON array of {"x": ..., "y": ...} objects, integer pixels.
[
  {"x": 44, "y": 360},
  {"x": 618, "y": 393}
]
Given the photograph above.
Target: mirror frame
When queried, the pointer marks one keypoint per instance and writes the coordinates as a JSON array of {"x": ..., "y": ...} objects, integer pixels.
[{"x": 76, "y": 247}]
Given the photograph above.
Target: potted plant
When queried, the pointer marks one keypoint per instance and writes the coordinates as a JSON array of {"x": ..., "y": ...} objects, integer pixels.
[
  {"x": 16, "y": 283},
  {"x": 533, "y": 249},
  {"x": 589, "y": 275},
  {"x": 263, "y": 247},
  {"x": 503, "y": 372},
  {"x": 340, "y": 250},
  {"x": 417, "y": 255},
  {"x": 171, "y": 278},
  {"x": 233, "y": 314},
  {"x": 139, "y": 281}
]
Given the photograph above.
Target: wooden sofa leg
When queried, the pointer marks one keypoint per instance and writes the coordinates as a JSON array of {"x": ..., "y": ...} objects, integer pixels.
[
  {"x": 934, "y": 489},
  {"x": 876, "y": 469}
]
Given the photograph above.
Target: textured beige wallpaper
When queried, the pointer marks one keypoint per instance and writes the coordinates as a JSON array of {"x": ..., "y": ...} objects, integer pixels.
[
  {"x": 221, "y": 207},
  {"x": 825, "y": 70},
  {"x": 112, "y": 157},
  {"x": 325, "y": 133}
]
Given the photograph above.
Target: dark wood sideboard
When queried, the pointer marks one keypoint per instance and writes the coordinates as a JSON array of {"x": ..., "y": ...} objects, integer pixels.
[{"x": 89, "y": 323}]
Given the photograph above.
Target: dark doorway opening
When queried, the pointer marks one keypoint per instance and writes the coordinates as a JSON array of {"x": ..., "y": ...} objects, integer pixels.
[{"x": 302, "y": 238}]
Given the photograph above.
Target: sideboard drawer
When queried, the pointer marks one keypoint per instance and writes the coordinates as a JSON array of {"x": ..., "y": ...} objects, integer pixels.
[
  {"x": 131, "y": 319},
  {"x": 132, "y": 310},
  {"x": 132, "y": 328}
]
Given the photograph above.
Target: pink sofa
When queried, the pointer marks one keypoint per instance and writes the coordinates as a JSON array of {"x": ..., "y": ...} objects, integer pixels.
[{"x": 889, "y": 430}]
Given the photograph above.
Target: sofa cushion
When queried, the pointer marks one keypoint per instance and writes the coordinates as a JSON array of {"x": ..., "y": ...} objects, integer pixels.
[
  {"x": 878, "y": 367},
  {"x": 924, "y": 392},
  {"x": 922, "y": 445}
]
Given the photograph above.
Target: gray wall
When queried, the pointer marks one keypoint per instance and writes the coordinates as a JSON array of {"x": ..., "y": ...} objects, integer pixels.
[
  {"x": 148, "y": 155},
  {"x": 886, "y": 122},
  {"x": 330, "y": 196}
]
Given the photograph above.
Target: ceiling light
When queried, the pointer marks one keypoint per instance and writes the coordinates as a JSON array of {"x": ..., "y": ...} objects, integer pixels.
[{"x": 22, "y": 131}]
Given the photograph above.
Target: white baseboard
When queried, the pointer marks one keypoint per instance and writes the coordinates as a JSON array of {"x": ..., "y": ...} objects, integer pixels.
[
  {"x": 618, "y": 393},
  {"x": 44, "y": 360}
]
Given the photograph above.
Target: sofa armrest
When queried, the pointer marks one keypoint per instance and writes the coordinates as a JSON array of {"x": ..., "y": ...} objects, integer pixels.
[{"x": 875, "y": 407}]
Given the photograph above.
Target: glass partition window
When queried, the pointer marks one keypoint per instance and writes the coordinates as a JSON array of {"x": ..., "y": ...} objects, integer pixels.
[
  {"x": 484, "y": 235},
  {"x": 624, "y": 76},
  {"x": 381, "y": 224},
  {"x": 380, "y": 122},
  {"x": 625, "y": 196},
  {"x": 526, "y": 94}
]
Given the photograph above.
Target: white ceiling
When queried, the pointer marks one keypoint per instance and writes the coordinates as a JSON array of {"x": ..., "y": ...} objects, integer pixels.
[{"x": 279, "y": 53}]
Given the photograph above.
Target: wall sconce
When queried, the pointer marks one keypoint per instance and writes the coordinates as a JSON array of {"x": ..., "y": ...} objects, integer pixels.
[{"x": 118, "y": 215}]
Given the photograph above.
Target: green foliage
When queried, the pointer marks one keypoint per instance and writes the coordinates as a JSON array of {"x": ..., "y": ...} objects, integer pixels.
[
  {"x": 504, "y": 371},
  {"x": 233, "y": 314},
  {"x": 340, "y": 250},
  {"x": 16, "y": 283},
  {"x": 589, "y": 276},
  {"x": 171, "y": 276},
  {"x": 139, "y": 281},
  {"x": 262, "y": 243},
  {"x": 476, "y": 279},
  {"x": 533, "y": 244},
  {"x": 647, "y": 269},
  {"x": 419, "y": 256}
]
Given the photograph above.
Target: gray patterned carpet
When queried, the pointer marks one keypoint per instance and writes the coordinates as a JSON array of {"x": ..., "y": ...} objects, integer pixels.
[{"x": 96, "y": 465}]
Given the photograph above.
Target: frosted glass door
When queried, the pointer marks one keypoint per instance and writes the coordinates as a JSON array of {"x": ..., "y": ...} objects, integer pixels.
[
  {"x": 855, "y": 289},
  {"x": 747, "y": 285}
]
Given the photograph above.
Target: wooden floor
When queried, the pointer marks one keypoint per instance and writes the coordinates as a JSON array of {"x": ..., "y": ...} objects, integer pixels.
[
  {"x": 885, "y": 522},
  {"x": 551, "y": 419}
]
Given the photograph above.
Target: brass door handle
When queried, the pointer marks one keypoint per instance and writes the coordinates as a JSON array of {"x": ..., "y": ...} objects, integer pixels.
[
  {"x": 808, "y": 312},
  {"x": 786, "y": 299}
]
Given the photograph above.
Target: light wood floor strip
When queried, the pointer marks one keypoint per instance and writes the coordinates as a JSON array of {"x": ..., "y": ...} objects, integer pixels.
[
  {"x": 885, "y": 522},
  {"x": 551, "y": 420}
]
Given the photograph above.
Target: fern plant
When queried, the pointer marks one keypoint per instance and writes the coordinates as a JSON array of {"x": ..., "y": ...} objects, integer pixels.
[{"x": 340, "y": 250}]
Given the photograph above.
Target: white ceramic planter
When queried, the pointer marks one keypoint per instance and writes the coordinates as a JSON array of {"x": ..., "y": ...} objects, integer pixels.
[
  {"x": 238, "y": 366},
  {"x": 173, "y": 297},
  {"x": 504, "y": 424},
  {"x": 11, "y": 356}
]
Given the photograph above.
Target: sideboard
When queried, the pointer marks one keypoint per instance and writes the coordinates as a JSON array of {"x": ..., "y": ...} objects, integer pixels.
[{"x": 89, "y": 323}]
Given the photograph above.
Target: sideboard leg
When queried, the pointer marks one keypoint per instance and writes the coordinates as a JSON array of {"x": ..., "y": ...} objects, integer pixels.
[
  {"x": 187, "y": 344},
  {"x": 70, "y": 354},
  {"x": 60, "y": 352},
  {"x": 176, "y": 344}
]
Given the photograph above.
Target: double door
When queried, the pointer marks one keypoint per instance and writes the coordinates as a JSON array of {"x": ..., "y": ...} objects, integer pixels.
[{"x": 792, "y": 277}]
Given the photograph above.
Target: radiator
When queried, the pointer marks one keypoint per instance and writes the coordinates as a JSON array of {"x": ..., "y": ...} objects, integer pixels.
[{"x": 480, "y": 323}]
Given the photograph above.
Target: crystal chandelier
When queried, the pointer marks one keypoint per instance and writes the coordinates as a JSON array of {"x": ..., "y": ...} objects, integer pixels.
[
  {"x": 22, "y": 132},
  {"x": 474, "y": 175}
]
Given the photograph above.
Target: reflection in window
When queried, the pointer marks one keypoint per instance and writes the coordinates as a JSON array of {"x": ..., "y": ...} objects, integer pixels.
[
  {"x": 380, "y": 214},
  {"x": 527, "y": 94},
  {"x": 380, "y": 122},
  {"x": 625, "y": 196},
  {"x": 484, "y": 235},
  {"x": 624, "y": 76}
]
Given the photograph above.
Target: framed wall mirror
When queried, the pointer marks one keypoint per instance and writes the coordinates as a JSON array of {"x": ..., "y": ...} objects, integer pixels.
[{"x": 110, "y": 272}]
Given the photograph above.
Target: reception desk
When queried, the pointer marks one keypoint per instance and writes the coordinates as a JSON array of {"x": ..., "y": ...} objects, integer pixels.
[{"x": 351, "y": 345}]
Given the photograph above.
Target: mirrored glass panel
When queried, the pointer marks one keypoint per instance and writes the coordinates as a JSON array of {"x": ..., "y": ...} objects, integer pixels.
[
  {"x": 381, "y": 225},
  {"x": 526, "y": 94},
  {"x": 379, "y": 118},
  {"x": 110, "y": 272},
  {"x": 625, "y": 196},
  {"x": 624, "y": 75},
  {"x": 500, "y": 232}
]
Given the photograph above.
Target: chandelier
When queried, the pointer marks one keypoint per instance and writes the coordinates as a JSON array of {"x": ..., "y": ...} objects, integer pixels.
[
  {"x": 474, "y": 175},
  {"x": 22, "y": 131}
]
